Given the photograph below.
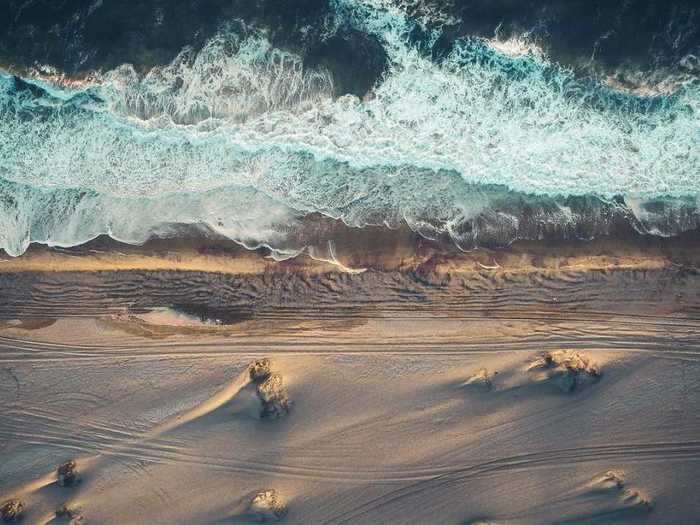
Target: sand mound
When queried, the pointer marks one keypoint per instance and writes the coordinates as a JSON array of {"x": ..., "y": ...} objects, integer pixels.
[
  {"x": 613, "y": 482},
  {"x": 70, "y": 516},
  {"x": 267, "y": 506},
  {"x": 274, "y": 398},
  {"x": 480, "y": 380},
  {"x": 67, "y": 474},
  {"x": 260, "y": 370},
  {"x": 11, "y": 511},
  {"x": 565, "y": 368},
  {"x": 610, "y": 480},
  {"x": 635, "y": 499},
  {"x": 269, "y": 388}
]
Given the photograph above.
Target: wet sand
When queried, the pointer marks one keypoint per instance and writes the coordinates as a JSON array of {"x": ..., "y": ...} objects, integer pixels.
[
  {"x": 538, "y": 384},
  {"x": 331, "y": 246}
]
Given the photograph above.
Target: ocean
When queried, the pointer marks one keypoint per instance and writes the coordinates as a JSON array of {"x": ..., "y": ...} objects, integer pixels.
[{"x": 484, "y": 130}]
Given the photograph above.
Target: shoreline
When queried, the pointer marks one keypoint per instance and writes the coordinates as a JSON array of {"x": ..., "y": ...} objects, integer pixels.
[{"x": 358, "y": 250}]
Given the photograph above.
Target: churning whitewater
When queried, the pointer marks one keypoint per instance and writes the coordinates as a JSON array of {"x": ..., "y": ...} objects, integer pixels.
[{"x": 489, "y": 142}]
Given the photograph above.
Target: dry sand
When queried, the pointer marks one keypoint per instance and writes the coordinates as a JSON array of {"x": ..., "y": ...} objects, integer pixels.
[{"x": 539, "y": 388}]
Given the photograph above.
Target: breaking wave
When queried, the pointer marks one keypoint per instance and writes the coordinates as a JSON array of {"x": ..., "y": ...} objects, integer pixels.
[{"x": 488, "y": 143}]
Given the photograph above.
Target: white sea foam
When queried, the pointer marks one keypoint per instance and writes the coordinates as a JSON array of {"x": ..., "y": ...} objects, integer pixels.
[
  {"x": 190, "y": 142},
  {"x": 515, "y": 46},
  {"x": 233, "y": 78}
]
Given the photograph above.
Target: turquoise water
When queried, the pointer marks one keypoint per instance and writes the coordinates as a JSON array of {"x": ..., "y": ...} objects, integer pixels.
[{"x": 491, "y": 143}]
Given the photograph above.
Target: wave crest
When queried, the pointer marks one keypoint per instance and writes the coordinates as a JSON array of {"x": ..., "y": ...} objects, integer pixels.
[{"x": 236, "y": 76}]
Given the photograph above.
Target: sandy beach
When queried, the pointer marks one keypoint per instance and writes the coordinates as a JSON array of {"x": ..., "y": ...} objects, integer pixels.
[{"x": 514, "y": 386}]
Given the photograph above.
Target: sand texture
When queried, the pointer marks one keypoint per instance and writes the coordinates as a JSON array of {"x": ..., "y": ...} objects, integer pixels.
[{"x": 427, "y": 395}]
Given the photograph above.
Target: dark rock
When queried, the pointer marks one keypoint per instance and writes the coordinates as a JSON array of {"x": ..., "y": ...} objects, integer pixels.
[
  {"x": 480, "y": 380},
  {"x": 566, "y": 369},
  {"x": 274, "y": 398},
  {"x": 267, "y": 506},
  {"x": 67, "y": 474},
  {"x": 70, "y": 515},
  {"x": 11, "y": 511},
  {"x": 260, "y": 370}
]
